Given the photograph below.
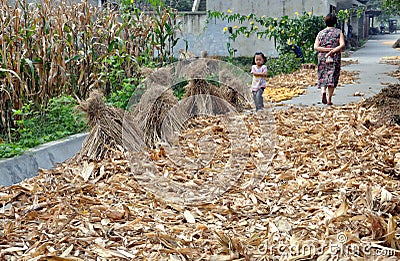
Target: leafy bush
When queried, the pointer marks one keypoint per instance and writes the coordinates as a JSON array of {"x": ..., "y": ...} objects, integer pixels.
[
  {"x": 40, "y": 125},
  {"x": 286, "y": 63},
  {"x": 180, "y": 5},
  {"x": 242, "y": 62},
  {"x": 287, "y": 31},
  {"x": 179, "y": 89},
  {"x": 120, "y": 98}
]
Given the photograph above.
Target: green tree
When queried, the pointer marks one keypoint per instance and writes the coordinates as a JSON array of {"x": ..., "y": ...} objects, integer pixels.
[
  {"x": 180, "y": 5},
  {"x": 392, "y": 7}
]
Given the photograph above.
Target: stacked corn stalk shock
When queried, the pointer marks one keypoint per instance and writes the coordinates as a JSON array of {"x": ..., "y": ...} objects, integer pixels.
[
  {"x": 330, "y": 192},
  {"x": 286, "y": 86}
]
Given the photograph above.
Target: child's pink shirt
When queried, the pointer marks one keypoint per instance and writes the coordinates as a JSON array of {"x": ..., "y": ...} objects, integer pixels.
[{"x": 258, "y": 81}]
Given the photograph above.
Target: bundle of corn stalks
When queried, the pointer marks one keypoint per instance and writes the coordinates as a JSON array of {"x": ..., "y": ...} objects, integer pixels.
[
  {"x": 157, "y": 112},
  {"x": 231, "y": 94},
  {"x": 151, "y": 111},
  {"x": 235, "y": 89},
  {"x": 204, "y": 98},
  {"x": 164, "y": 76},
  {"x": 108, "y": 124}
]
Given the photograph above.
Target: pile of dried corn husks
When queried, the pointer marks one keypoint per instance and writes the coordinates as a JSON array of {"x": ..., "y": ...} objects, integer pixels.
[
  {"x": 390, "y": 58},
  {"x": 388, "y": 102},
  {"x": 332, "y": 190},
  {"x": 393, "y": 60},
  {"x": 282, "y": 93},
  {"x": 286, "y": 86}
]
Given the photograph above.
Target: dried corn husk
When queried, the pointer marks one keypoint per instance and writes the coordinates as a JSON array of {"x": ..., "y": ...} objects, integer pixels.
[
  {"x": 388, "y": 104},
  {"x": 281, "y": 94},
  {"x": 329, "y": 170},
  {"x": 286, "y": 86},
  {"x": 333, "y": 181}
]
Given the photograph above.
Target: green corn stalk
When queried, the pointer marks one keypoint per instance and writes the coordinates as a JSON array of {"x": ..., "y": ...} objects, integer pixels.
[{"x": 50, "y": 49}]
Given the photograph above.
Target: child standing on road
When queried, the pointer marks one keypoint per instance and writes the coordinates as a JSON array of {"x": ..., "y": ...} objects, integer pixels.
[{"x": 259, "y": 71}]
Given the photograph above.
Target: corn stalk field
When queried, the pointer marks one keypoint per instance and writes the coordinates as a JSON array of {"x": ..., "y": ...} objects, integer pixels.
[{"x": 48, "y": 49}]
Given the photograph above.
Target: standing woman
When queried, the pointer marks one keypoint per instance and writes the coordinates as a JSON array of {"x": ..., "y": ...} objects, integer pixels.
[{"x": 329, "y": 43}]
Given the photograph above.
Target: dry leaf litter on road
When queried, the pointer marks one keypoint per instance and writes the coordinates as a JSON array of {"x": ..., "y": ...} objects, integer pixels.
[
  {"x": 331, "y": 175},
  {"x": 332, "y": 181}
]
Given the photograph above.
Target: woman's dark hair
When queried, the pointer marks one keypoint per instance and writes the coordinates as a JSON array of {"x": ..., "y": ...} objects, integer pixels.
[
  {"x": 262, "y": 55},
  {"x": 330, "y": 20}
]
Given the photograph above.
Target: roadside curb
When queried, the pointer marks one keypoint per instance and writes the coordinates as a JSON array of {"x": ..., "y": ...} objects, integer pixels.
[{"x": 46, "y": 156}]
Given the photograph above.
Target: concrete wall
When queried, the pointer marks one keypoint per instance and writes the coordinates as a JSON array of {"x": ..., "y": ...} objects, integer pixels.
[
  {"x": 16, "y": 169},
  {"x": 214, "y": 40},
  {"x": 273, "y": 8}
]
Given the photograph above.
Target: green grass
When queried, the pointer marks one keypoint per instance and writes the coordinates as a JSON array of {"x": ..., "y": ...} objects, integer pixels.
[{"x": 38, "y": 125}]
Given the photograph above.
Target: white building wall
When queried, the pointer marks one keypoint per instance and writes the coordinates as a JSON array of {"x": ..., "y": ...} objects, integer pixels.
[{"x": 214, "y": 40}]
